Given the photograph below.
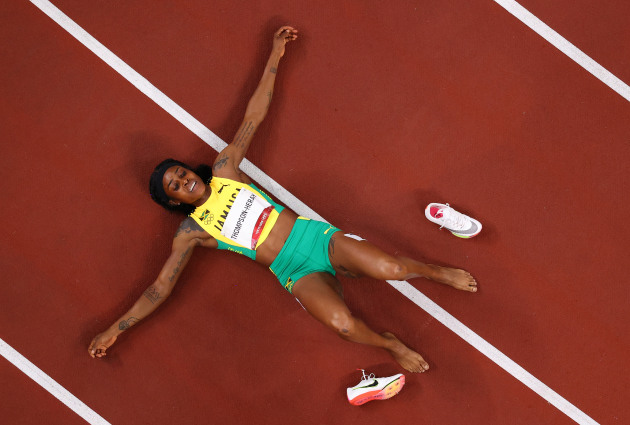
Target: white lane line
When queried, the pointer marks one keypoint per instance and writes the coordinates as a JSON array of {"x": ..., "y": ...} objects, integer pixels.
[
  {"x": 50, "y": 385},
  {"x": 292, "y": 202},
  {"x": 165, "y": 103},
  {"x": 566, "y": 47},
  {"x": 492, "y": 353}
]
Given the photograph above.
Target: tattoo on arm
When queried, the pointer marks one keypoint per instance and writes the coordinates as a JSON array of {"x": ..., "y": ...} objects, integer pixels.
[
  {"x": 179, "y": 263},
  {"x": 246, "y": 132},
  {"x": 187, "y": 226},
  {"x": 273, "y": 70},
  {"x": 152, "y": 294},
  {"x": 269, "y": 95},
  {"x": 126, "y": 324},
  {"x": 220, "y": 162}
]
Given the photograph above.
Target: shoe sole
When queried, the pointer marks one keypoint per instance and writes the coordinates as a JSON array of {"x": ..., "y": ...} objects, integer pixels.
[
  {"x": 464, "y": 236},
  {"x": 388, "y": 391}
]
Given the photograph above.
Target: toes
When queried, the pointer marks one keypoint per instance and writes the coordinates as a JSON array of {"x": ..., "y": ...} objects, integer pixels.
[{"x": 424, "y": 367}]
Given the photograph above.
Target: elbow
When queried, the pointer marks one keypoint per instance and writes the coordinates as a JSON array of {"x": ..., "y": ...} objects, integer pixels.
[
  {"x": 160, "y": 289},
  {"x": 255, "y": 116},
  {"x": 257, "y": 109}
]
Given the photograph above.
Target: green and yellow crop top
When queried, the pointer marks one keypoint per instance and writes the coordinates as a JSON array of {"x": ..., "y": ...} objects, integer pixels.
[{"x": 238, "y": 215}]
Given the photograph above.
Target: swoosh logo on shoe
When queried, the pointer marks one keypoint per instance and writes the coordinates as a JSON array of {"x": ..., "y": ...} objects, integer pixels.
[
  {"x": 373, "y": 384},
  {"x": 466, "y": 232}
]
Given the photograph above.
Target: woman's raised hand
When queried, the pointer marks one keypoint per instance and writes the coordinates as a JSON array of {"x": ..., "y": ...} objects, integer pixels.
[{"x": 282, "y": 37}]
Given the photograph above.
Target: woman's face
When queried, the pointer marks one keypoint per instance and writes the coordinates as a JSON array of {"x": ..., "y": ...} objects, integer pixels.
[{"x": 182, "y": 185}]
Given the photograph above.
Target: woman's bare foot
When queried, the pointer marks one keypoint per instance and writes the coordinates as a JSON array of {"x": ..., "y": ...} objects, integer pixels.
[
  {"x": 406, "y": 357},
  {"x": 457, "y": 278}
]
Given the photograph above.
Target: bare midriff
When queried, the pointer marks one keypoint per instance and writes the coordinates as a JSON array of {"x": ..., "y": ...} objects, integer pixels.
[{"x": 270, "y": 248}]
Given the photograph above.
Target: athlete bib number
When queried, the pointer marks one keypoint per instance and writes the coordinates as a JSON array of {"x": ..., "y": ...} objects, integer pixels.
[{"x": 246, "y": 219}]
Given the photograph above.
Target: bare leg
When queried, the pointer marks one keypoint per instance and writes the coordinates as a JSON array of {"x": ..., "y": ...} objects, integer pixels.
[
  {"x": 320, "y": 295},
  {"x": 356, "y": 258}
]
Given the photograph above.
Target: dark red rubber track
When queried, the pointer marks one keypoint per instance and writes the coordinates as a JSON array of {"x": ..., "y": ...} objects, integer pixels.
[{"x": 378, "y": 111}]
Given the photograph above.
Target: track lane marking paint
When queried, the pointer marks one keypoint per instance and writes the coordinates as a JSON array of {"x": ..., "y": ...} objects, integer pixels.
[
  {"x": 488, "y": 350},
  {"x": 50, "y": 385},
  {"x": 290, "y": 200},
  {"x": 566, "y": 47}
]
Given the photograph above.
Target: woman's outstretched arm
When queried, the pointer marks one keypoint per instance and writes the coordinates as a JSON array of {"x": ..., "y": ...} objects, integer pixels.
[
  {"x": 230, "y": 158},
  {"x": 155, "y": 294}
]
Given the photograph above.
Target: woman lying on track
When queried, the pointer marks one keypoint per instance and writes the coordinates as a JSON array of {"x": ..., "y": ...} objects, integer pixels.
[{"x": 231, "y": 213}]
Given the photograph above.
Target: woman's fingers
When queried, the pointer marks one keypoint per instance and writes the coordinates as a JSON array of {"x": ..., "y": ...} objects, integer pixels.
[
  {"x": 95, "y": 351},
  {"x": 284, "y": 28},
  {"x": 91, "y": 348},
  {"x": 288, "y": 32}
]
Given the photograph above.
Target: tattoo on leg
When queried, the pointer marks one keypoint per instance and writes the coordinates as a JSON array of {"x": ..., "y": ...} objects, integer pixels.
[
  {"x": 331, "y": 246},
  {"x": 126, "y": 324},
  {"x": 348, "y": 273},
  {"x": 152, "y": 294}
]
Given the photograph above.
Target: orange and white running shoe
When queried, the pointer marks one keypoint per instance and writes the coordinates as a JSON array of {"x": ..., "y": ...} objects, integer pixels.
[{"x": 372, "y": 388}]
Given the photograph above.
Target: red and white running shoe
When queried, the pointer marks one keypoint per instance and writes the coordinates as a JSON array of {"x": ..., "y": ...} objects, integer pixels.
[
  {"x": 455, "y": 222},
  {"x": 372, "y": 388}
]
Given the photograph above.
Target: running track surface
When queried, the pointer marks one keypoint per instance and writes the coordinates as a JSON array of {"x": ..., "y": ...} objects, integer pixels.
[{"x": 378, "y": 110}]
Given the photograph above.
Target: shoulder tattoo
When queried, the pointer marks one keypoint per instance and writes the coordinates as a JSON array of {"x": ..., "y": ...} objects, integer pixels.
[{"x": 188, "y": 225}]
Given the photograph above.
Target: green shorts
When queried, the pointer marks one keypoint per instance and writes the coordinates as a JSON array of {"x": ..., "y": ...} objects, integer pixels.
[{"x": 304, "y": 252}]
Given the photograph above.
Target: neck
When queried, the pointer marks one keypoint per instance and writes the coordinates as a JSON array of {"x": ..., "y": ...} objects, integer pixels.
[{"x": 206, "y": 194}]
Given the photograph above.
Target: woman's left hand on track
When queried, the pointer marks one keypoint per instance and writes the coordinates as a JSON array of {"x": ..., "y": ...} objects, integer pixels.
[{"x": 100, "y": 344}]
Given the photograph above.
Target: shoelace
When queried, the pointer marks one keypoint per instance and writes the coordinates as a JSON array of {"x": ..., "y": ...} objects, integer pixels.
[
  {"x": 366, "y": 377},
  {"x": 453, "y": 219}
]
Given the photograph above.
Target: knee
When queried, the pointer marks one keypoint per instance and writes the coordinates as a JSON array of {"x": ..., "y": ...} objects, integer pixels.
[
  {"x": 392, "y": 269},
  {"x": 342, "y": 323}
]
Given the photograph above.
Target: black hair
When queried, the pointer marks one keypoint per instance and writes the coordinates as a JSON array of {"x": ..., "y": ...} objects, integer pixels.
[{"x": 156, "y": 188}]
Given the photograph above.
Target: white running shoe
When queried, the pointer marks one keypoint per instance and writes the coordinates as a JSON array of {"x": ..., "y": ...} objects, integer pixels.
[
  {"x": 457, "y": 223},
  {"x": 371, "y": 388}
]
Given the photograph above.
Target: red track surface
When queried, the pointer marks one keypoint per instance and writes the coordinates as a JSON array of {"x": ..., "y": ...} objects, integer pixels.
[{"x": 378, "y": 111}]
